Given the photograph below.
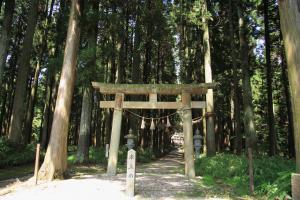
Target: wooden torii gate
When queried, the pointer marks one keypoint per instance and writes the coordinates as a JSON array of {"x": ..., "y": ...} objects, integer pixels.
[{"x": 185, "y": 90}]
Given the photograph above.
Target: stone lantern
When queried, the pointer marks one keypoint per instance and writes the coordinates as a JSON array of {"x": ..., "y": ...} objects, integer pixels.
[
  {"x": 130, "y": 140},
  {"x": 197, "y": 143}
]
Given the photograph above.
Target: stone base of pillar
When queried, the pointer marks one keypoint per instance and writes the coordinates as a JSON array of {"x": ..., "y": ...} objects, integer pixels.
[{"x": 296, "y": 186}]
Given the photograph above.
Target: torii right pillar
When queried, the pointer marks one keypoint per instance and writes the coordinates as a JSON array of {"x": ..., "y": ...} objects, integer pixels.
[{"x": 210, "y": 125}]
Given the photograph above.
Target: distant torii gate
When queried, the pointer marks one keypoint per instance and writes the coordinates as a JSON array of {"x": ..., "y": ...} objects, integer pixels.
[{"x": 185, "y": 90}]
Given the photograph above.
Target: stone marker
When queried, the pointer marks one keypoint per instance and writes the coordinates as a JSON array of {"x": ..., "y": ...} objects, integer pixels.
[
  {"x": 296, "y": 186},
  {"x": 106, "y": 150},
  {"x": 130, "y": 177}
]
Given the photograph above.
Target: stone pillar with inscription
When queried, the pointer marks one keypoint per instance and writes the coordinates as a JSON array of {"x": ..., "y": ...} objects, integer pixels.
[{"x": 130, "y": 177}]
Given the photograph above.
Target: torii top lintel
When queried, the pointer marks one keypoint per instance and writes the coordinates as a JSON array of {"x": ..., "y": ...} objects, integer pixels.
[{"x": 145, "y": 89}]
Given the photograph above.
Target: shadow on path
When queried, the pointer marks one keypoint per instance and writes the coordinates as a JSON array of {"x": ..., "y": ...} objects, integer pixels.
[{"x": 164, "y": 178}]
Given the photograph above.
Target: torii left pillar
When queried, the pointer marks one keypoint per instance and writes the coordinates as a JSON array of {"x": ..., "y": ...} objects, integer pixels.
[
  {"x": 115, "y": 135},
  {"x": 188, "y": 136}
]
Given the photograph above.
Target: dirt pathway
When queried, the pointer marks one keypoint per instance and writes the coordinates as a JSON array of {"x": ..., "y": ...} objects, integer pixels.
[{"x": 162, "y": 179}]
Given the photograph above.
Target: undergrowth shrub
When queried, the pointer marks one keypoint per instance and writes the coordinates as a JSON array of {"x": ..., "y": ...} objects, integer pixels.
[
  {"x": 97, "y": 155},
  {"x": 12, "y": 156},
  {"x": 145, "y": 156},
  {"x": 272, "y": 175}
]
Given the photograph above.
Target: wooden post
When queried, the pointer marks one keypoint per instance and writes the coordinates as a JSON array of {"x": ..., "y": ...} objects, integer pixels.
[
  {"x": 115, "y": 135},
  {"x": 204, "y": 131},
  {"x": 296, "y": 186},
  {"x": 130, "y": 177},
  {"x": 251, "y": 176},
  {"x": 106, "y": 150},
  {"x": 188, "y": 136},
  {"x": 37, "y": 159}
]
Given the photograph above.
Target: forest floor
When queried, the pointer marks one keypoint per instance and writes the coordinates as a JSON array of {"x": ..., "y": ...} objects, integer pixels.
[{"x": 161, "y": 179}]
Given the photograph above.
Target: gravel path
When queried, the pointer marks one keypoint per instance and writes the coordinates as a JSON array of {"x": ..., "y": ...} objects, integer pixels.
[{"x": 162, "y": 179}]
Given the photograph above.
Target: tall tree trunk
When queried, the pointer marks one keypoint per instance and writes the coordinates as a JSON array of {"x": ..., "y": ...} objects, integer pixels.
[
  {"x": 3, "y": 110},
  {"x": 5, "y": 35},
  {"x": 237, "y": 113},
  {"x": 87, "y": 103},
  {"x": 85, "y": 126},
  {"x": 34, "y": 85},
  {"x": 182, "y": 44},
  {"x": 148, "y": 48},
  {"x": 136, "y": 69},
  {"x": 249, "y": 125},
  {"x": 31, "y": 103},
  {"x": 290, "y": 27},
  {"x": 287, "y": 94},
  {"x": 210, "y": 124},
  {"x": 92, "y": 42},
  {"x": 53, "y": 79},
  {"x": 10, "y": 82},
  {"x": 272, "y": 134},
  {"x": 286, "y": 85},
  {"x": 45, "y": 123},
  {"x": 55, "y": 163},
  {"x": 15, "y": 131}
]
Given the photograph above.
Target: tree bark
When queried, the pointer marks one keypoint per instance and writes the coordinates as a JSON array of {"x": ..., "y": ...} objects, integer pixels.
[
  {"x": 55, "y": 163},
  {"x": 85, "y": 126},
  {"x": 16, "y": 125},
  {"x": 290, "y": 26},
  {"x": 272, "y": 134},
  {"x": 5, "y": 35},
  {"x": 249, "y": 125},
  {"x": 210, "y": 124}
]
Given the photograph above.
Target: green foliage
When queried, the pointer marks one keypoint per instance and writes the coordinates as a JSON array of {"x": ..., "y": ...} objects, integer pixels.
[
  {"x": 10, "y": 156},
  {"x": 122, "y": 156},
  {"x": 272, "y": 176},
  {"x": 144, "y": 156},
  {"x": 197, "y": 13},
  {"x": 97, "y": 155}
]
